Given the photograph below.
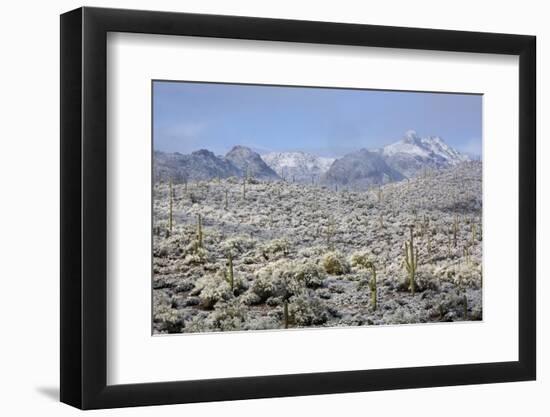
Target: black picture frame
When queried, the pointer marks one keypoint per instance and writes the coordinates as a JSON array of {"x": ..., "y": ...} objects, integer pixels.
[{"x": 84, "y": 207}]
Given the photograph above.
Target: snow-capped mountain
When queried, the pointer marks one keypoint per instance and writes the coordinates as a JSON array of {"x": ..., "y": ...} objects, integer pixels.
[
  {"x": 250, "y": 163},
  {"x": 205, "y": 165},
  {"x": 196, "y": 166},
  {"x": 361, "y": 169},
  {"x": 300, "y": 166},
  {"x": 405, "y": 158},
  {"x": 412, "y": 154}
]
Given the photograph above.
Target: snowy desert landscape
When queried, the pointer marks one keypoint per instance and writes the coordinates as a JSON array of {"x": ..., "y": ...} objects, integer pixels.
[{"x": 254, "y": 240}]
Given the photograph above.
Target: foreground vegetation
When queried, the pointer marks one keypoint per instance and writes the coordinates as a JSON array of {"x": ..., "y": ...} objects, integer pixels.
[{"x": 242, "y": 254}]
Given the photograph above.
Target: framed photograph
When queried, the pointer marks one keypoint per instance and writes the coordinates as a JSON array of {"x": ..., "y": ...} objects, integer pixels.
[{"x": 257, "y": 208}]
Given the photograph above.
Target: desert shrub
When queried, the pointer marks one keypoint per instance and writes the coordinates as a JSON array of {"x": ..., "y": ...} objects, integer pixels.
[
  {"x": 196, "y": 256},
  {"x": 240, "y": 285},
  {"x": 276, "y": 246},
  {"x": 285, "y": 278},
  {"x": 197, "y": 323},
  {"x": 466, "y": 276},
  {"x": 359, "y": 259},
  {"x": 452, "y": 307},
  {"x": 308, "y": 252},
  {"x": 274, "y": 301},
  {"x": 310, "y": 274},
  {"x": 167, "y": 318},
  {"x": 306, "y": 310},
  {"x": 169, "y": 247},
  {"x": 250, "y": 298},
  {"x": 212, "y": 289},
  {"x": 228, "y": 316},
  {"x": 262, "y": 323},
  {"x": 335, "y": 263},
  {"x": 238, "y": 245},
  {"x": 403, "y": 316},
  {"x": 263, "y": 285},
  {"x": 458, "y": 274}
]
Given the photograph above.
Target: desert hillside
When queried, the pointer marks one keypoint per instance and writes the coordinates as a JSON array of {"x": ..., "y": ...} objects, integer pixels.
[{"x": 245, "y": 254}]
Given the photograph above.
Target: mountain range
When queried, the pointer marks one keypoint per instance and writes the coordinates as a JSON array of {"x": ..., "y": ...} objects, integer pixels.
[
  {"x": 412, "y": 154},
  {"x": 298, "y": 166},
  {"x": 394, "y": 162}
]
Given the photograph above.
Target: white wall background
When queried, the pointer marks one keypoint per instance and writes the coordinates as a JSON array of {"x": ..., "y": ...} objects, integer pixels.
[{"x": 29, "y": 236}]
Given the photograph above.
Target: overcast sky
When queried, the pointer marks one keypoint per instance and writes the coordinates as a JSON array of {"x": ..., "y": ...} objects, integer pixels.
[{"x": 328, "y": 122}]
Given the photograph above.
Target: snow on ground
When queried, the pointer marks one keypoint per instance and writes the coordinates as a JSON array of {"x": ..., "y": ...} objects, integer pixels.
[{"x": 270, "y": 255}]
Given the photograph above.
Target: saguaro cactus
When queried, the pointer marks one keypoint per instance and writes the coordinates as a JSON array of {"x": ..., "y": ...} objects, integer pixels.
[
  {"x": 230, "y": 277},
  {"x": 372, "y": 284},
  {"x": 225, "y": 204},
  {"x": 455, "y": 229},
  {"x": 473, "y": 232},
  {"x": 411, "y": 260},
  {"x": 466, "y": 253},
  {"x": 285, "y": 313},
  {"x": 330, "y": 234},
  {"x": 244, "y": 188},
  {"x": 170, "y": 220},
  {"x": 379, "y": 194},
  {"x": 199, "y": 231},
  {"x": 425, "y": 226}
]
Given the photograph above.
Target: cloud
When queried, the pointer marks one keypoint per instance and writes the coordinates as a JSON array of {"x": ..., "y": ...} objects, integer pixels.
[
  {"x": 181, "y": 137},
  {"x": 187, "y": 130}
]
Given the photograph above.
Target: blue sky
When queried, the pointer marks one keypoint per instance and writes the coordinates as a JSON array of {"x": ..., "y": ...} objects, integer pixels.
[{"x": 328, "y": 122}]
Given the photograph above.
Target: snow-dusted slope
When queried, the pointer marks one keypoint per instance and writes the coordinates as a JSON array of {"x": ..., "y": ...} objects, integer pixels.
[
  {"x": 361, "y": 169},
  {"x": 412, "y": 154},
  {"x": 198, "y": 166},
  {"x": 300, "y": 166},
  {"x": 405, "y": 158},
  {"x": 250, "y": 163}
]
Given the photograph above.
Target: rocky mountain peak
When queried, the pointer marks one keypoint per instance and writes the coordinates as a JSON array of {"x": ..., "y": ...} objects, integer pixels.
[
  {"x": 250, "y": 163},
  {"x": 299, "y": 166}
]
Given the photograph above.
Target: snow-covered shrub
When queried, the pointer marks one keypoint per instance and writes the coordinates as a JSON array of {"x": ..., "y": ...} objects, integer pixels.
[
  {"x": 238, "y": 245},
  {"x": 228, "y": 316},
  {"x": 170, "y": 247},
  {"x": 453, "y": 306},
  {"x": 274, "y": 301},
  {"x": 240, "y": 284},
  {"x": 250, "y": 298},
  {"x": 167, "y": 318},
  {"x": 196, "y": 256},
  {"x": 197, "y": 323},
  {"x": 212, "y": 289},
  {"x": 286, "y": 278},
  {"x": 335, "y": 263},
  {"x": 306, "y": 310},
  {"x": 264, "y": 285},
  {"x": 310, "y": 274},
  {"x": 276, "y": 246},
  {"x": 359, "y": 259},
  {"x": 262, "y": 323},
  {"x": 402, "y": 316}
]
